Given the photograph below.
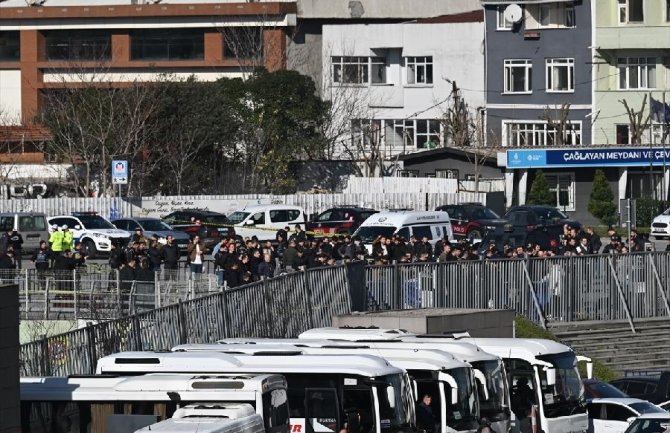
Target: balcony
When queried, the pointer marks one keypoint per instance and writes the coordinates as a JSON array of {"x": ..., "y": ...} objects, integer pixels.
[{"x": 633, "y": 37}]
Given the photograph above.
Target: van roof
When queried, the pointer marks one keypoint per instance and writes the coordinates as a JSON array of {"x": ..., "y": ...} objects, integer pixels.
[
  {"x": 397, "y": 219},
  {"x": 262, "y": 207},
  {"x": 208, "y": 423},
  {"x": 196, "y": 362}
]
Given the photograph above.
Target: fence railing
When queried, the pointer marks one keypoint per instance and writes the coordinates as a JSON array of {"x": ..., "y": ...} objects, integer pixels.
[
  {"x": 101, "y": 294},
  {"x": 562, "y": 289},
  {"x": 280, "y": 307}
]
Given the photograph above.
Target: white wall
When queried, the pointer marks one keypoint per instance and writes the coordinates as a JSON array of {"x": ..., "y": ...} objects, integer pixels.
[
  {"x": 10, "y": 97},
  {"x": 383, "y": 8}
]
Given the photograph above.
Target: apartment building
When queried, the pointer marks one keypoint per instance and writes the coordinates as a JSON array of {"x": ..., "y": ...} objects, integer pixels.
[
  {"x": 47, "y": 44},
  {"x": 632, "y": 64}
]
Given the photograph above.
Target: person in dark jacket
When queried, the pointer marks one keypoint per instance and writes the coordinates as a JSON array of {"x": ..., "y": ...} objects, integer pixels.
[
  {"x": 127, "y": 275},
  {"x": 291, "y": 260},
  {"x": 41, "y": 257},
  {"x": 7, "y": 260},
  {"x": 154, "y": 256},
  {"x": 170, "y": 256},
  {"x": 232, "y": 276},
  {"x": 266, "y": 269},
  {"x": 425, "y": 418},
  {"x": 16, "y": 241}
]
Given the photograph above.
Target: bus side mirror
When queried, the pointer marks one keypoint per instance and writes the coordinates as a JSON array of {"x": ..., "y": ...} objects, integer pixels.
[
  {"x": 390, "y": 395},
  {"x": 631, "y": 419},
  {"x": 551, "y": 376}
]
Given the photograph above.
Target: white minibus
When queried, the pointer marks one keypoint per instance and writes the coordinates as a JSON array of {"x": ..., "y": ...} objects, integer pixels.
[{"x": 210, "y": 418}]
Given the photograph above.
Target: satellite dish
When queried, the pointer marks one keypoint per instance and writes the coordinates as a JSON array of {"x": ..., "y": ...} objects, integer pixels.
[{"x": 513, "y": 13}]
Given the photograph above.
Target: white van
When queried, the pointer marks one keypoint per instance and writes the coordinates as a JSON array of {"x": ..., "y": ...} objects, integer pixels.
[
  {"x": 263, "y": 221},
  {"x": 211, "y": 418},
  {"x": 433, "y": 224}
]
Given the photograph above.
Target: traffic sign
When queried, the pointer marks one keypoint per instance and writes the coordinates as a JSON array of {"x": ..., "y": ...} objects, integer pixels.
[{"x": 119, "y": 172}]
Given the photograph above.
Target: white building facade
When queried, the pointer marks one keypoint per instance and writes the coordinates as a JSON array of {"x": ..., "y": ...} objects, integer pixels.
[{"x": 390, "y": 84}]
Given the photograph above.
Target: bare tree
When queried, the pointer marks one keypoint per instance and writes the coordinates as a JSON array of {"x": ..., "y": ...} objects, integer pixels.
[
  {"x": 638, "y": 121},
  {"x": 558, "y": 122}
]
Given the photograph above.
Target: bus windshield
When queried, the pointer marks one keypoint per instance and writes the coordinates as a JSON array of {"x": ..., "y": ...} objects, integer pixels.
[
  {"x": 370, "y": 233},
  {"x": 567, "y": 396},
  {"x": 494, "y": 408},
  {"x": 464, "y": 413}
]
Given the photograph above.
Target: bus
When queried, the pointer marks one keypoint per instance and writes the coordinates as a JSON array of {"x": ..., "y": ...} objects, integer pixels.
[
  {"x": 549, "y": 369},
  {"x": 450, "y": 382},
  {"x": 97, "y": 404},
  {"x": 326, "y": 393},
  {"x": 494, "y": 398},
  {"x": 210, "y": 418}
]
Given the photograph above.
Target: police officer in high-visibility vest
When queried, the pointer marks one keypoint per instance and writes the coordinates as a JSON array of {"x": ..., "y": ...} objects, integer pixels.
[
  {"x": 55, "y": 243},
  {"x": 68, "y": 239}
]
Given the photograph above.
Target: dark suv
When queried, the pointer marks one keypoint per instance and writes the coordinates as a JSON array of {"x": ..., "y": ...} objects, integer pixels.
[
  {"x": 339, "y": 220},
  {"x": 471, "y": 220},
  {"x": 534, "y": 216},
  {"x": 213, "y": 225}
]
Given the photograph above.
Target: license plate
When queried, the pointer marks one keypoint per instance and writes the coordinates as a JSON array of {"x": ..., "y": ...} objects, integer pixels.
[{"x": 182, "y": 245}]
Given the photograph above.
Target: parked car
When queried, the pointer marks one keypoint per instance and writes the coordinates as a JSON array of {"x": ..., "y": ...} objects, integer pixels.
[
  {"x": 517, "y": 236},
  {"x": 153, "y": 226},
  {"x": 339, "y": 220},
  {"x": 653, "y": 386},
  {"x": 184, "y": 220},
  {"x": 533, "y": 216},
  {"x": 263, "y": 221},
  {"x": 95, "y": 233},
  {"x": 650, "y": 423},
  {"x": 472, "y": 220},
  {"x": 614, "y": 415},
  {"x": 597, "y": 389},
  {"x": 660, "y": 226},
  {"x": 32, "y": 226}
]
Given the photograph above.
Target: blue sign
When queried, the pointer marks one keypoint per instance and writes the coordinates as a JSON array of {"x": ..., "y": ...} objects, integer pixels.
[
  {"x": 120, "y": 172},
  {"x": 612, "y": 157}
]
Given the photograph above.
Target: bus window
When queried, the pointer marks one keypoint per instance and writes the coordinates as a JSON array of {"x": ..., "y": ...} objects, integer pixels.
[
  {"x": 52, "y": 417},
  {"x": 275, "y": 411},
  {"x": 359, "y": 401},
  {"x": 321, "y": 412}
]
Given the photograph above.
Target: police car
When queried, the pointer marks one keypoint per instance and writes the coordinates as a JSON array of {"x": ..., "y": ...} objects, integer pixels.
[{"x": 95, "y": 233}]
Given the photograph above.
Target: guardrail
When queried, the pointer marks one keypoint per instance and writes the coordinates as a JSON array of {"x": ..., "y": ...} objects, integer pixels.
[
  {"x": 280, "y": 307},
  {"x": 562, "y": 289}
]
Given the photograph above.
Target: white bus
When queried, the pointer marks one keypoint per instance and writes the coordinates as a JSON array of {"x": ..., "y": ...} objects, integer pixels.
[
  {"x": 210, "y": 418},
  {"x": 494, "y": 398},
  {"x": 325, "y": 393},
  {"x": 550, "y": 370},
  {"x": 98, "y": 403},
  {"x": 449, "y": 381}
]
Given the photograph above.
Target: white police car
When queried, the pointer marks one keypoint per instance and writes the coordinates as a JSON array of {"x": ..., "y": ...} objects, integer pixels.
[{"x": 95, "y": 233}]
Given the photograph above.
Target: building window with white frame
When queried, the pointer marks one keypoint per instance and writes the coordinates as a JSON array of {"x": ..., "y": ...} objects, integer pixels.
[
  {"x": 518, "y": 76},
  {"x": 419, "y": 70},
  {"x": 560, "y": 75},
  {"x": 358, "y": 70},
  {"x": 667, "y": 11},
  {"x": 636, "y": 72},
  {"x": 631, "y": 11},
  {"x": 539, "y": 133},
  {"x": 502, "y": 22},
  {"x": 551, "y": 16},
  {"x": 562, "y": 187}
]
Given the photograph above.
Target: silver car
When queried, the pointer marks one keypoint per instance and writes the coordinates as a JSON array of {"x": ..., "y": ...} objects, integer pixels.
[{"x": 153, "y": 226}]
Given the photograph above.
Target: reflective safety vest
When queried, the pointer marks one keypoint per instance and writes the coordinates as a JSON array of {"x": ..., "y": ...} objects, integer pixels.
[
  {"x": 68, "y": 241},
  {"x": 56, "y": 241}
]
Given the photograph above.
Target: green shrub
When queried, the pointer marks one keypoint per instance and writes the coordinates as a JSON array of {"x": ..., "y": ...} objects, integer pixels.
[
  {"x": 601, "y": 203},
  {"x": 539, "y": 191}
]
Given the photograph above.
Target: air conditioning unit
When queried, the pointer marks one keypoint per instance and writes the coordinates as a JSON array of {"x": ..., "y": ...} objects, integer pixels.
[{"x": 35, "y": 2}]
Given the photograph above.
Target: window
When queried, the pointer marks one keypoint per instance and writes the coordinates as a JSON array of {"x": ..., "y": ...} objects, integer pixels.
[
  {"x": 32, "y": 222},
  {"x": 622, "y": 134},
  {"x": 359, "y": 70},
  {"x": 618, "y": 413},
  {"x": 419, "y": 70},
  {"x": 427, "y": 134},
  {"x": 631, "y": 11},
  {"x": 562, "y": 186},
  {"x": 637, "y": 72},
  {"x": 275, "y": 411},
  {"x": 539, "y": 133},
  {"x": 667, "y": 10},
  {"x": 560, "y": 75},
  {"x": 404, "y": 134},
  {"x": 518, "y": 76},
  {"x": 503, "y": 23},
  {"x": 78, "y": 45},
  {"x": 421, "y": 231},
  {"x": 258, "y": 218},
  {"x": 284, "y": 215},
  {"x": 243, "y": 43},
  {"x": 172, "y": 44},
  {"x": 9, "y": 47},
  {"x": 321, "y": 409},
  {"x": 551, "y": 15}
]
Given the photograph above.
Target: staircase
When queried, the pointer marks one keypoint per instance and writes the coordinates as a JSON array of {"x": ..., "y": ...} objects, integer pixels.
[{"x": 617, "y": 346}]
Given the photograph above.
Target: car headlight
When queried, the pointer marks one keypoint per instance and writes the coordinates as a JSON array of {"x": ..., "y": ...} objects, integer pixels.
[
  {"x": 99, "y": 235},
  {"x": 490, "y": 227}
]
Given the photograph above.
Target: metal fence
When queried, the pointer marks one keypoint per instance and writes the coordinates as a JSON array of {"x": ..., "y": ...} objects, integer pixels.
[
  {"x": 280, "y": 307},
  {"x": 563, "y": 289},
  {"x": 99, "y": 293}
]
